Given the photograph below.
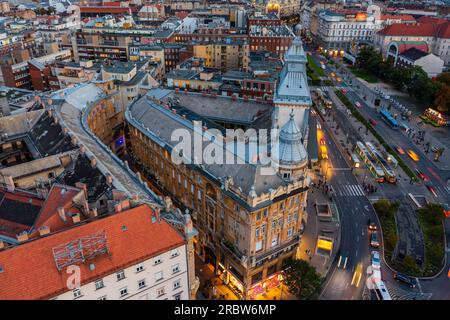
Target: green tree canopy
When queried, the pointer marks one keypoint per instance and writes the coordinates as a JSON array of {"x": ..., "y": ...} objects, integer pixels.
[{"x": 301, "y": 278}]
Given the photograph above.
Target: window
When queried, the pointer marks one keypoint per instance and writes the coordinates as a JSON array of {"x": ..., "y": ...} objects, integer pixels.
[
  {"x": 157, "y": 260},
  {"x": 275, "y": 241},
  {"x": 99, "y": 284},
  {"x": 274, "y": 224},
  {"x": 290, "y": 232},
  {"x": 257, "y": 233},
  {"x": 120, "y": 275},
  {"x": 158, "y": 276},
  {"x": 139, "y": 268},
  {"x": 177, "y": 296},
  {"x": 263, "y": 229},
  {"x": 160, "y": 291},
  {"x": 141, "y": 284},
  {"x": 175, "y": 268},
  {"x": 102, "y": 298},
  {"x": 176, "y": 284},
  {"x": 123, "y": 292},
  {"x": 174, "y": 253},
  {"x": 258, "y": 246},
  {"x": 76, "y": 293}
]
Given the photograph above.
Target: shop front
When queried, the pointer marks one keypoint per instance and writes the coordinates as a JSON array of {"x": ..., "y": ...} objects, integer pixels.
[
  {"x": 231, "y": 279},
  {"x": 273, "y": 282}
]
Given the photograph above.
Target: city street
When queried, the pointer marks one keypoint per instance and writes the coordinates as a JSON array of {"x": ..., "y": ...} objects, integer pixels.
[{"x": 438, "y": 288}]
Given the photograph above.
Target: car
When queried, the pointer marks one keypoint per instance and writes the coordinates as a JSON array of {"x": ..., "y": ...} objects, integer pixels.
[
  {"x": 357, "y": 275},
  {"x": 373, "y": 122},
  {"x": 376, "y": 264},
  {"x": 431, "y": 189},
  {"x": 323, "y": 66},
  {"x": 434, "y": 149},
  {"x": 413, "y": 155},
  {"x": 400, "y": 150},
  {"x": 374, "y": 242},
  {"x": 372, "y": 226},
  {"x": 421, "y": 175},
  {"x": 411, "y": 282},
  {"x": 344, "y": 91},
  {"x": 343, "y": 258},
  {"x": 358, "y": 104},
  {"x": 333, "y": 74}
]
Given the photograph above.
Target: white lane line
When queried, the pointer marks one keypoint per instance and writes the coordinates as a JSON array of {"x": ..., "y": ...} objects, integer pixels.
[
  {"x": 361, "y": 191},
  {"x": 356, "y": 253}
]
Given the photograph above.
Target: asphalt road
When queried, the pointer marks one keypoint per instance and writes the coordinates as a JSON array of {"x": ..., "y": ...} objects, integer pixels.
[
  {"x": 438, "y": 288},
  {"x": 355, "y": 209}
]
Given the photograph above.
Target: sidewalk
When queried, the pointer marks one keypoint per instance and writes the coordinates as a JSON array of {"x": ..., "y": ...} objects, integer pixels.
[
  {"x": 439, "y": 137},
  {"x": 315, "y": 227}
]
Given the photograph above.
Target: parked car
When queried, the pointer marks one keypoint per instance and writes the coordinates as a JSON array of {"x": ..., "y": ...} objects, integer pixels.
[
  {"x": 374, "y": 242},
  {"x": 376, "y": 264},
  {"x": 358, "y": 104},
  {"x": 411, "y": 282},
  {"x": 373, "y": 122}
]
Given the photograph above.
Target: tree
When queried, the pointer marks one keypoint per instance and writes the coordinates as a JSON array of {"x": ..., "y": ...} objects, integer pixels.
[
  {"x": 301, "y": 278},
  {"x": 409, "y": 265},
  {"x": 442, "y": 100}
]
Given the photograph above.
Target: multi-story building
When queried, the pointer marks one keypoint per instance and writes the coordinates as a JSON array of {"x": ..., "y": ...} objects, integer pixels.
[
  {"x": 34, "y": 73},
  {"x": 93, "y": 261},
  {"x": 432, "y": 31},
  {"x": 248, "y": 221},
  {"x": 223, "y": 55},
  {"x": 104, "y": 43},
  {"x": 276, "y": 39},
  {"x": 339, "y": 30}
]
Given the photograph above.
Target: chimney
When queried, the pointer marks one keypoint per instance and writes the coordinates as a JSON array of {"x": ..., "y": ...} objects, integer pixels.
[
  {"x": 82, "y": 186},
  {"x": 62, "y": 214},
  {"x": 109, "y": 179},
  {"x": 85, "y": 207},
  {"x": 44, "y": 230},
  {"x": 22, "y": 237},
  {"x": 76, "y": 217},
  {"x": 2, "y": 245},
  {"x": 94, "y": 213},
  {"x": 93, "y": 162},
  {"x": 118, "y": 208}
]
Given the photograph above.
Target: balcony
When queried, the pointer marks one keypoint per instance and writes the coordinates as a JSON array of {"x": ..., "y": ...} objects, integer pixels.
[
  {"x": 277, "y": 249},
  {"x": 231, "y": 249}
]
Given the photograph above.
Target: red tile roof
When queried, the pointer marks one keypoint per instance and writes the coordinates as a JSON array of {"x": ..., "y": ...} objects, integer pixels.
[
  {"x": 418, "y": 30},
  {"x": 59, "y": 196},
  {"x": 29, "y": 270},
  {"x": 104, "y": 10},
  {"x": 404, "y": 17}
]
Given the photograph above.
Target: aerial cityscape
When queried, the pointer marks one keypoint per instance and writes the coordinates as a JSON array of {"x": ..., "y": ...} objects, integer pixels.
[{"x": 265, "y": 150}]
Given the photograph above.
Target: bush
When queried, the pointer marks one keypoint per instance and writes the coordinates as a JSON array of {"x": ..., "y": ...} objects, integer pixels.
[
  {"x": 386, "y": 211},
  {"x": 431, "y": 220}
]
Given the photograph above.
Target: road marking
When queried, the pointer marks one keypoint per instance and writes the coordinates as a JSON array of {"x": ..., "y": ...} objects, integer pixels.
[
  {"x": 356, "y": 253},
  {"x": 362, "y": 233},
  {"x": 357, "y": 238}
]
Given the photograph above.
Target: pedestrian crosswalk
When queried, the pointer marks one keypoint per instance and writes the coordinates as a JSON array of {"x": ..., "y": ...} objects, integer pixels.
[
  {"x": 397, "y": 293},
  {"x": 349, "y": 190}
]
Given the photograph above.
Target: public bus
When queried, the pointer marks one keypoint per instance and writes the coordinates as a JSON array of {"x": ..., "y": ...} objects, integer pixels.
[
  {"x": 370, "y": 162},
  {"x": 389, "y": 119}
]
